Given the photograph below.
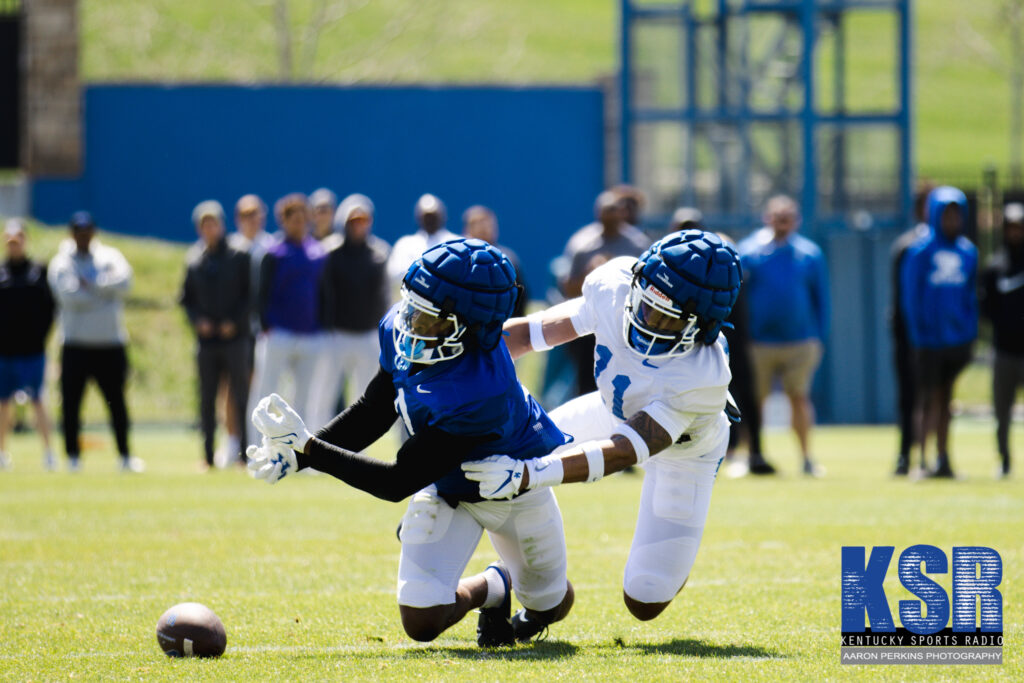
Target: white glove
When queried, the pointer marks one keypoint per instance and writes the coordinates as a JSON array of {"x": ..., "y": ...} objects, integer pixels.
[
  {"x": 279, "y": 423},
  {"x": 500, "y": 476},
  {"x": 271, "y": 461}
]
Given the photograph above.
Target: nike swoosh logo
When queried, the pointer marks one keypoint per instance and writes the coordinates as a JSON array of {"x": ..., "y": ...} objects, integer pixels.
[
  {"x": 645, "y": 363},
  {"x": 422, "y": 390},
  {"x": 541, "y": 468},
  {"x": 507, "y": 480},
  {"x": 1006, "y": 285},
  {"x": 285, "y": 436}
]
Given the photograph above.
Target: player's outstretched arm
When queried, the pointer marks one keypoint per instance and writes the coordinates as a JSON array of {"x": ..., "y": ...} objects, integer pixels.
[
  {"x": 367, "y": 419},
  {"x": 633, "y": 442},
  {"x": 426, "y": 457},
  {"x": 540, "y": 331}
]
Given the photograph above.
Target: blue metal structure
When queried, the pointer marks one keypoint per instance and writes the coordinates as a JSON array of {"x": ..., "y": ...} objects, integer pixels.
[
  {"x": 757, "y": 96},
  {"x": 724, "y": 103}
]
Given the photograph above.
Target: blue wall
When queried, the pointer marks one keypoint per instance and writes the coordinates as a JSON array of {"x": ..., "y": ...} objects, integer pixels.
[{"x": 534, "y": 155}]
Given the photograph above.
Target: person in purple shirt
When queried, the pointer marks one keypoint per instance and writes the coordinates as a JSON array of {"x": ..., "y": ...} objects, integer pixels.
[{"x": 288, "y": 304}]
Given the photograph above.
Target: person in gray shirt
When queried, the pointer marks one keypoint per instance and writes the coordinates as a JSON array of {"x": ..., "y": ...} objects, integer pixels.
[
  {"x": 90, "y": 281},
  {"x": 606, "y": 238}
]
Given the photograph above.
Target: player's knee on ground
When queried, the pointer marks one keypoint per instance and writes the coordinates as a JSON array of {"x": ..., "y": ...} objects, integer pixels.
[
  {"x": 644, "y": 611},
  {"x": 424, "y": 624},
  {"x": 559, "y": 611}
]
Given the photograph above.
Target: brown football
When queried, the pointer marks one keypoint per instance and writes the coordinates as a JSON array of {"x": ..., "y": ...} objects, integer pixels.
[{"x": 191, "y": 630}]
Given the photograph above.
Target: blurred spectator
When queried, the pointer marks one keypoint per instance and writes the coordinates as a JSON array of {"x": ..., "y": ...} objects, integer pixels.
[
  {"x": 902, "y": 358},
  {"x": 90, "y": 281},
  {"x": 786, "y": 286},
  {"x": 215, "y": 295},
  {"x": 250, "y": 223},
  {"x": 431, "y": 217},
  {"x": 633, "y": 201},
  {"x": 355, "y": 296},
  {"x": 1002, "y": 303},
  {"x": 686, "y": 218},
  {"x": 480, "y": 222},
  {"x": 737, "y": 336},
  {"x": 595, "y": 243},
  {"x": 938, "y": 280},
  {"x": 26, "y": 307},
  {"x": 289, "y": 305},
  {"x": 252, "y": 239},
  {"x": 323, "y": 203}
]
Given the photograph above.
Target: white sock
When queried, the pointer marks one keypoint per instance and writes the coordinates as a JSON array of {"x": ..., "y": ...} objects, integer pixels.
[
  {"x": 233, "y": 448},
  {"x": 495, "y": 587}
]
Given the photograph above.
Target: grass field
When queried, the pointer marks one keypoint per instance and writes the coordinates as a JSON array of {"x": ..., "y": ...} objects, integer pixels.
[
  {"x": 961, "y": 49},
  {"x": 303, "y": 573}
]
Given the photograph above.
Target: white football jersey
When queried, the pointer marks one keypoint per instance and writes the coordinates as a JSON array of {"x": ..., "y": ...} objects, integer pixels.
[{"x": 684, "y": 394}]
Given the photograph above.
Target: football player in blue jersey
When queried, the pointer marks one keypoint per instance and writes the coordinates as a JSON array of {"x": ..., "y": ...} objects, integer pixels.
[{"x": 446, "y": 372}]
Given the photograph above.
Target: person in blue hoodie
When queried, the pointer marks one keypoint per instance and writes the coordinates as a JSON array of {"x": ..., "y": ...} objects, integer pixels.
[
  {"x": 785, "y": 280},
  {"x": 938, "y": 281}
]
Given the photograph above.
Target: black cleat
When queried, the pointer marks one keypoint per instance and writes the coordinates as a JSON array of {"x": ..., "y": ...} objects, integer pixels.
[
  {"x": 943, "y": 471},
  {"x": 494, "y": 627},
  {"x": 758, "y": 465},
  {"x": 902, "y": 466},
  {"x": 526, "y": 627}
]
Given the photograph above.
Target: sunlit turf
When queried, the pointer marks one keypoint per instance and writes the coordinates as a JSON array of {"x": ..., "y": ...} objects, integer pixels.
[{"x": 303, "y": 573}]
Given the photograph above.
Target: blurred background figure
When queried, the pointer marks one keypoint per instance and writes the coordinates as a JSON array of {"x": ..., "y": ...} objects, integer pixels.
[
  {"x": 686, "y": 218},
  {"x": 938, "y": 280},
  {"x": 355, "y": 296},
  {"x": 609, "y": 236},
  {"x": 481, "y": 223},
  {"x": 26, "y": 309},
  {"x": 289, "y": 305},
  {"x": 634, "y": 201},
  {"x": 251, "y": 238},
  {"x": 1002, "y": 304},
  {"x": 90, "y": 281},
  {"x": 323, "y": 204},
  {"x": 741, "y": 366},
  {"x": 431, "y": 218},
  {"x": 906, "y": 389},
  {"x": 215, "y": 295},
  {"x": 786, "y": 286}
]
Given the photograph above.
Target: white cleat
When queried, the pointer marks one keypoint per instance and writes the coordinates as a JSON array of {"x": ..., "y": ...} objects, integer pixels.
[{"x": 130, "y": 463}]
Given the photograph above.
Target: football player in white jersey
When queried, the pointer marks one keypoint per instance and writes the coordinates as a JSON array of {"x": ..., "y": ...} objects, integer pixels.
[{"x": 662, "y": 377}]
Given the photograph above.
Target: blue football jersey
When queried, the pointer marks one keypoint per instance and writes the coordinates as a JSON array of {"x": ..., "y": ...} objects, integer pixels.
[{"x": 474, "y": 394}]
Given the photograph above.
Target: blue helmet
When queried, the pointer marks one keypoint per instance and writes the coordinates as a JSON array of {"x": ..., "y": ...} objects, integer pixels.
[
  {"x": 458, "y": 291},
  {"x": 683, "y": 289}
]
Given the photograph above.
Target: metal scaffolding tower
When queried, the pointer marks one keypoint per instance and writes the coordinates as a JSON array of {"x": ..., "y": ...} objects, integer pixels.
[{"x": 727, "y": 102}]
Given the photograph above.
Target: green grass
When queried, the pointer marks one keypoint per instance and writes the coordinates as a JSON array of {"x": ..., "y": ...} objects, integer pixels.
[
  {"x": 303, "y": 573},
  {"x": 961, "y": 101}
]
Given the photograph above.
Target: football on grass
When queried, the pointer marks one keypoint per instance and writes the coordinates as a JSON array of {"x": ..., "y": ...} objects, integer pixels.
[{"x": 191, "y": 630}]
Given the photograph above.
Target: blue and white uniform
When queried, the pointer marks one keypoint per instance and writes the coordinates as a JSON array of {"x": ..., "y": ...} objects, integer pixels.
[
  {"x": 686, "y": 396},
  {"x": 475, "y": 394}
]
